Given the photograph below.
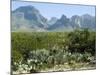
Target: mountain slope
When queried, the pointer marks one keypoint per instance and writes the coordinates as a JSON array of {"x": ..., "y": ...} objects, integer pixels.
[
  {"x": 62, "y": 24},
  {"x": 28, "y": 18}
]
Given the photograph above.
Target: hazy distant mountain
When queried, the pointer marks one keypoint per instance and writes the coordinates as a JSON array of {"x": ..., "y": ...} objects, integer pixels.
[
  {"x": 75, "y": 21},
  {"x": 84, "y": 21},
  {"x": 88, "y": 21},
  {"x": 62, "y": 24},
  {"x": 28, "y": 18},
  {"x": 52, "y": 21}
]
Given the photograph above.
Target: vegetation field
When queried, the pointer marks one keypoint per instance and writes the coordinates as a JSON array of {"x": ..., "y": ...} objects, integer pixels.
[{"x": 33, "y": 52}]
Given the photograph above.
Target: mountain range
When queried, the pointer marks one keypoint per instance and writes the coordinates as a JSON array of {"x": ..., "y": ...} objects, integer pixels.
[{"x": 28, "y": 18}]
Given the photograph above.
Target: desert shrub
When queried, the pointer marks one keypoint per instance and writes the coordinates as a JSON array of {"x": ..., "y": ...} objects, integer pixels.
[
  {"x": 45, "y": 50},
  {"x": 82, "y": 41}
]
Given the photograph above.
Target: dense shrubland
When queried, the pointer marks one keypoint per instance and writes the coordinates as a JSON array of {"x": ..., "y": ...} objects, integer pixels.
[{"x": 41, "y": 51}]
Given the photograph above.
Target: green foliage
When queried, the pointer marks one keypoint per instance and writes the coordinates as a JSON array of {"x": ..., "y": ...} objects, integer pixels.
[
  {"x": 16, "y": 59},
  {"x": 42, "y": 50},
  {"x": 82, "y": 41}
]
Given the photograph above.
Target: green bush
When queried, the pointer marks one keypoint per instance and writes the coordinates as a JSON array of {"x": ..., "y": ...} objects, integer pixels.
[{"x": 42, "y": 50}]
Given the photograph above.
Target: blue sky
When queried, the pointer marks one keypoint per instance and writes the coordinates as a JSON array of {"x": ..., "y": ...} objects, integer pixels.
[{"x": 49, "y": 10}]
